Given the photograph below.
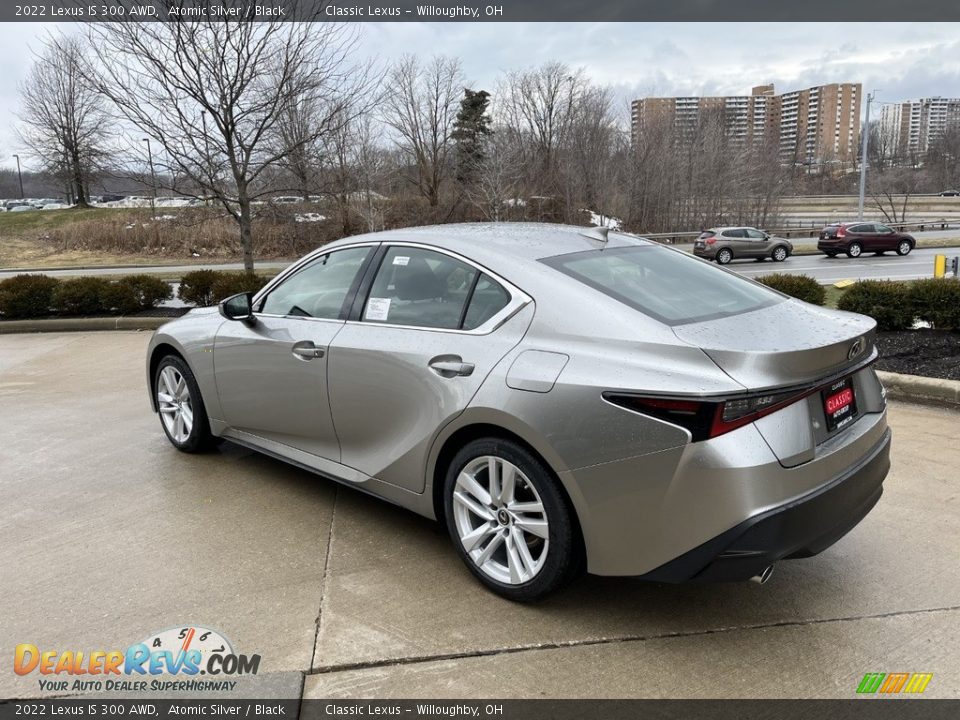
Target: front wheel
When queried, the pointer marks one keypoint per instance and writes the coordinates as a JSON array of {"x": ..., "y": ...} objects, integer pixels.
[
  {"x": 904, "y": 247},
  {"x": 855, "y": 250},
  {"x": 724, "y": 257},
  {"x": 509, "y": 521},
  {"x": 182, "y": 413},
  {"x": 780, "y": 254}
]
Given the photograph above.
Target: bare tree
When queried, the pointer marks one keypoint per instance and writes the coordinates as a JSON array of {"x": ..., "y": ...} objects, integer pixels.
[
  {"x": 891, "y": 190},
  {"x": 538, "y": 106},
  {"x": 421, "y": 107},
  {"x": 495, "y": 177},
  {"x": 214, "y": 94},
  {"x": 62, "y": 117}
]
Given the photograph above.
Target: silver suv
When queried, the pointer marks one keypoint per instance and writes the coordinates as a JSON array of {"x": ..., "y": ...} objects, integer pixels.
[{"x": 726, "y": 243}]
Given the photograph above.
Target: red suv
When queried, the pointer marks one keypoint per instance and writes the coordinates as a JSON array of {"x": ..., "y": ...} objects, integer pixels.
[{"x": 854, "y": 239}]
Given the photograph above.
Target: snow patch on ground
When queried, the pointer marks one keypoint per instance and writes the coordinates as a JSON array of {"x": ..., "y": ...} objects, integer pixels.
[{"x": 604, "y": 220}]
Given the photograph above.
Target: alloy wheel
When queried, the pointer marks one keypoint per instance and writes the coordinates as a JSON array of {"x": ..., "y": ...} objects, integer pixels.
[
  {"x": 780, "y": 254},
  {"x": 500, "y": 520},
  {"x": 176, "y": 406},
  {"x": 904, "y": 248}
]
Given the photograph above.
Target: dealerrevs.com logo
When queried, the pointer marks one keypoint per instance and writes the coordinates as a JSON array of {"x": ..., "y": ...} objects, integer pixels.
[{"x": 187, "y": 651}]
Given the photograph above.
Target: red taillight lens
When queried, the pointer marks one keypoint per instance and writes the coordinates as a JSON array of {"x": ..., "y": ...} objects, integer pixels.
[
  {"x": 706, "y": 419},
  {"x": 841, "y": 231},
  {"x": 711, "y": 241}
]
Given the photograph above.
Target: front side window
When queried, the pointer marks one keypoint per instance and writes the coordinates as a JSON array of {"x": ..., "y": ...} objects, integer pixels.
[
  {"x": 420, "y": 288},
  {"x": 669, "y": 286},
  {"x": 884, "y": 230},
  {"x": 319, "y": 289},
  {"x": 756, "y": 235}
]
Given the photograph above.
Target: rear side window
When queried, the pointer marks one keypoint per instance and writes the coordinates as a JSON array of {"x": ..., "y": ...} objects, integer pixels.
[
  {"x": 861, "y": 229},
  {"x": 669, "y": 286},
  {"x": 420, "y": 288},
  {"x": 489, "y": 297},
  {"x": 735, "y": 233}
]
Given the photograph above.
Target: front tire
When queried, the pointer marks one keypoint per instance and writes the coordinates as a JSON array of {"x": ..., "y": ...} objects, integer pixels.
[
  {"x": 509, "y": 521},
  {"x": 904, "y": 247},
  {"x": 855, "y": 250},
  {"x": 183, "y": 415},
  {"x": 780, "y": 254},
  {"x": 724, "y": 256}
]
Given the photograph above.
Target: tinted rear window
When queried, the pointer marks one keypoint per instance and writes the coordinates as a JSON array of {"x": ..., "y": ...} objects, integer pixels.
[
  {"x": 670, "y": 286},
  {"x": 707, "y": 234}
]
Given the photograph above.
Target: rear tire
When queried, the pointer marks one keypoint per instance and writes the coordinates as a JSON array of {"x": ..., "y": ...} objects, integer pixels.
[
  {"x": 831, "y": 254},
  {"x": 855, "y": 250},
  {"x": 724, "y": 256},
  {"x": 780, "y": 254},
  {"x": 518, "y": 537},
  {"x": 904, "y": 247},
  {"x": 183, "y": 415}
]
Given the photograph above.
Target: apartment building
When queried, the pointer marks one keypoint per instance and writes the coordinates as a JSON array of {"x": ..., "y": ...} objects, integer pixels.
[
  {"x": 912, "y": 126},
  {"x": 815, "y": 125}
]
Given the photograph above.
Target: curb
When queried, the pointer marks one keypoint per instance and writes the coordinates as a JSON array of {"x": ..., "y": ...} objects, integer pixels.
[
  {"x": 924, "y": 390},
  {"x": 82, "y": 324}
]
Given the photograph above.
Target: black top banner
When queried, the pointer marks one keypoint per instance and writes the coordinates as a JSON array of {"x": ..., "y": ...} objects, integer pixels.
[{"x": 489, "y": 11}]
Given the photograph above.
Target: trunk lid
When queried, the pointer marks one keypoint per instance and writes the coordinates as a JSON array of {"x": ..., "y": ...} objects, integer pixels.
[{"x": 783, "y": 345}]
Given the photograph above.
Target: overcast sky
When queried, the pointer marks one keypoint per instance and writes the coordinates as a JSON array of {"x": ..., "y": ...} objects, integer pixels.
[{"x": 903, "y": 60}]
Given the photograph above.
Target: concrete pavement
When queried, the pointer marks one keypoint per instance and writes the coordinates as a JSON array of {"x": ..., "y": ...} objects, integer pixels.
[{"x": 110, "y": 534}]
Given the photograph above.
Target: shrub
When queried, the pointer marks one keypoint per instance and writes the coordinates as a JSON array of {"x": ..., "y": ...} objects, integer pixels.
[
  {"x": 227, "y": 284},
  {"x": 26, "y": 296},
  {"x": 81, "y": 296},
  {"x": 801, "y": 287},
  {"x": 937, "y": 301},
  {"x": 885, "y": 301},
  {"x": 197, "y": 287},
  {"x": 146, "y": 291}
]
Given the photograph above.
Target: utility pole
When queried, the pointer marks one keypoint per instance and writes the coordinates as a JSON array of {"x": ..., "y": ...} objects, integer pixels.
[
  {"x": 153, "y": 179},
  {"x": 863, "y": 156},
  {"x": 19, "y": 176}
]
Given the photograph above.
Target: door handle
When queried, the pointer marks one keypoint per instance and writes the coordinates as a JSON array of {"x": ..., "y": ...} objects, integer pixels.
[
  {"x": 306, "y": 351},
  {"x": 449, "y": 366}
]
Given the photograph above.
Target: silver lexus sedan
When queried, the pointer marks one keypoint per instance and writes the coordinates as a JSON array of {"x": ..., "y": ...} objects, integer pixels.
[{"x": 562, "y": 398}]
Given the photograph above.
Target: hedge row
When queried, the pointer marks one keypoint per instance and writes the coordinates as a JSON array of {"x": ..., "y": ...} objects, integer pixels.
[
  {"x": 209, "y": 287},
  {"x": 896, "y": 305},
  {"x": 802, "y": 287},
  {"x": 30, "y": 296}
]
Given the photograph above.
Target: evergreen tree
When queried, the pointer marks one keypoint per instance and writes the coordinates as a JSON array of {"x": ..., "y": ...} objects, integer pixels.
[{"x": 471, "y": 128}]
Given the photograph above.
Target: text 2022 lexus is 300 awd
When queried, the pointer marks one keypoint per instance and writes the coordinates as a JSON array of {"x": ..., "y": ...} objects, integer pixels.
[{"x": 560, "y": 398}]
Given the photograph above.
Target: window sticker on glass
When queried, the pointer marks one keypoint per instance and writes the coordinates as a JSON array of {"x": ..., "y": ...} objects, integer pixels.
[
  {"x": 378, "y": 308},
  {"x": 401, "y": 260}
]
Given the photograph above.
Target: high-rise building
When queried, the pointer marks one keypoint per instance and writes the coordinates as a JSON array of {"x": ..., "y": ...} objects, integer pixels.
[
  {"x": 819, "y": 124},
  {"x": 913, "y": 125}
]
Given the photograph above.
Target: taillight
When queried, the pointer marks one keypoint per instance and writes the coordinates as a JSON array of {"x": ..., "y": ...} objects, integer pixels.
[
  {"x": 841, "y": 231},
  {"x": 711, "y": 241},
  {"x": 706, "y": 419}
]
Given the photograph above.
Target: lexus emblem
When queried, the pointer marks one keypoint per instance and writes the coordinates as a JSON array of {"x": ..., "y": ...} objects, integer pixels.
[{"x": 856, "y": 348}]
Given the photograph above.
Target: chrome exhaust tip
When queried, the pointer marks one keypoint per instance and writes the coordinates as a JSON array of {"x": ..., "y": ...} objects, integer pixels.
[{"x": 764, "y": 576}]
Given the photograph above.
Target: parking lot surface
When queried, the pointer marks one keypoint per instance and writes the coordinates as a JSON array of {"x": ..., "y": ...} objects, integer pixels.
[{"x": 110, "y": 535}]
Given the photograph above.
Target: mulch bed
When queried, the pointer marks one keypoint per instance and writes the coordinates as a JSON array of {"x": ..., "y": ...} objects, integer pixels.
[{"x": 933, "y": 353}]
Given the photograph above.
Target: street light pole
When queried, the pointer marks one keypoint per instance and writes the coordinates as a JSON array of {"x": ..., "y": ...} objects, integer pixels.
[
  {"x": 19, "y": 176},
  {"x": 153, "y": 179},
  {"x": 863, "y": 157}
]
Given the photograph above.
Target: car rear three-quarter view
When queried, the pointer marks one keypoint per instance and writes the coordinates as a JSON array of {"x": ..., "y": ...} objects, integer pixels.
[{"x": 560, "y": 397}]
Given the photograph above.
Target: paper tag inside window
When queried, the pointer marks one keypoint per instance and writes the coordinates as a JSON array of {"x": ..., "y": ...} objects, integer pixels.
[
  {"x": 401, "y": 260},
  {"x": 378, "y": 308}
]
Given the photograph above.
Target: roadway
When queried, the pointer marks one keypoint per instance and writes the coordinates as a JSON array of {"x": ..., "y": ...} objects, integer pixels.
[{"x": 918, "y": 264}]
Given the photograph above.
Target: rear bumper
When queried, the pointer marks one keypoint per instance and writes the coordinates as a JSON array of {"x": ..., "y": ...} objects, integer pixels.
[
  {"x": 801, "y": 528},
  {"x": 708, "y": 253},
  {"x": 834, "y": 245}
]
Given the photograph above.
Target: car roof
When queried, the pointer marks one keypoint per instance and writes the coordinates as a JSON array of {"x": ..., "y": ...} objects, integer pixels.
[
  {"x": 481, "y": 241},
  {"x": 730, "y": 227}
]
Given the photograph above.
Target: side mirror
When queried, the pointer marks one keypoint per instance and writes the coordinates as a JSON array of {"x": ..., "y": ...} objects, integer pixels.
[{"x": 238, "y": 307}]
